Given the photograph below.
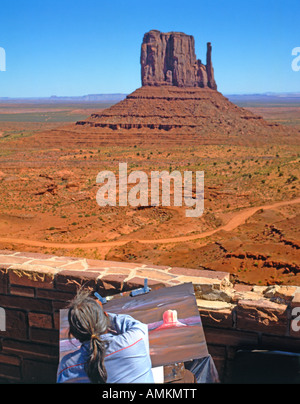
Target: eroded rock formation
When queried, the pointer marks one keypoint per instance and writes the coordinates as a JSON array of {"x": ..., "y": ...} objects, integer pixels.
[
  {"x": 179, "y": 96},
  {"x": 170, "y": 59},
  {"x": 179, "y": 109}
]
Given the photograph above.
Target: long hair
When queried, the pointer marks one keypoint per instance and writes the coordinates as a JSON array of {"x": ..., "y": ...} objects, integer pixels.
[{"x": 87, "y": 322}]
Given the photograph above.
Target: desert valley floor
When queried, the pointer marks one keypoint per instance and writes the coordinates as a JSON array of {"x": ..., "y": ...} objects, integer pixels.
[{"x": 251, "y": 221}]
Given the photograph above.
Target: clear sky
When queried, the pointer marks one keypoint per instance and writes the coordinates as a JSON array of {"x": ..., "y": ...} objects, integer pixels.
[{"x": 78, "y": 47}]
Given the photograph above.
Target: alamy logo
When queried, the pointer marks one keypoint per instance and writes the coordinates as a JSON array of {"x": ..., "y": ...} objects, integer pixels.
[
  {"x": 2, "y": 60},
  {"x": 2, "y": 319},
  {"x": 296, "y": 321},
  {"x": 138, "y": 195},
  {"x": 296, "y": 61}
]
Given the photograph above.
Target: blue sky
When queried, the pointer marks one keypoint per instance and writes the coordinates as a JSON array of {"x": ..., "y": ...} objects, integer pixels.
[{"x": 64, "y": 47}]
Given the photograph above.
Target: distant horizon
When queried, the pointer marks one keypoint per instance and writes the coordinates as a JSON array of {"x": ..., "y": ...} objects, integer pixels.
[{"x": 117, "y": 95}]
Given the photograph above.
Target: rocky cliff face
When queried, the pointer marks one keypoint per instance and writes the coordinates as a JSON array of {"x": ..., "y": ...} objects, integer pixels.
[{"x": 170, "y": 59}]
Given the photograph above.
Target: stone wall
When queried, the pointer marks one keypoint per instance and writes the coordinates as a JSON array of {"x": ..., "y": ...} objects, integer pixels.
[{"x": 34, "y": 287}]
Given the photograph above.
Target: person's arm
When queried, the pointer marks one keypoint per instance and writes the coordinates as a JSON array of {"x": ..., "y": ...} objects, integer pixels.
[
  {"x": 129, "y": 332},
  {"x": 128, "y": 356},
  {"x": 123, "y": 323}
]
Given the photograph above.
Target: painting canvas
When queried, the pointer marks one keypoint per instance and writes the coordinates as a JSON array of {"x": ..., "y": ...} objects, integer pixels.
[{"x": 172, "y": 316}]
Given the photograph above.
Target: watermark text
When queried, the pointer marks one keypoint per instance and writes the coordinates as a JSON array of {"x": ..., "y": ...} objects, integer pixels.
[
  {"x": 295, "y": 324},
  {"x": 2, "y": 319},
  {"x": 175, "y": 189},
  {"x": 2, "y": 60},
  {"x": 296, "y": 60}
]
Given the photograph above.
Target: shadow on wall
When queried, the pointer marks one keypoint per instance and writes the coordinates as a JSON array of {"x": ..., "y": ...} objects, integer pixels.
[{"x": 266, "y": 367}]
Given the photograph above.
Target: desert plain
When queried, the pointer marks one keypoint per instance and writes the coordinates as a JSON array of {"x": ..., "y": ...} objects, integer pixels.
[{"x": 250, "y": 225}]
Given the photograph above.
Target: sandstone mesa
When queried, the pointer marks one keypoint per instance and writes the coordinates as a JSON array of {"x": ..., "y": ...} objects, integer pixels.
[{"x": 170, "y": 59}]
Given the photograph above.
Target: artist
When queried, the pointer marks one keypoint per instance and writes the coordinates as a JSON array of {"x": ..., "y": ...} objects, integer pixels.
[{"x": 114, "y": 348}]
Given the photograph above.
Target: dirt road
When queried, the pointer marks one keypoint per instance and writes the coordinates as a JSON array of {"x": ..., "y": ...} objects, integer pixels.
[{"x": 238, "y": 219}]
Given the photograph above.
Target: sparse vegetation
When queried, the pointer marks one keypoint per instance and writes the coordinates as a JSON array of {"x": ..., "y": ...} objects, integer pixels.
[{"x": 37, "y": 203}]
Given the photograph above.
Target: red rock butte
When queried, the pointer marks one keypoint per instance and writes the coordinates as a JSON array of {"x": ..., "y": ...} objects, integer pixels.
[
  {"x": 178, "y": 101},
  {"x": 177, "y": 89},
  {"x": 178, "y": 97},
  {"x": 170, "y": 59}
]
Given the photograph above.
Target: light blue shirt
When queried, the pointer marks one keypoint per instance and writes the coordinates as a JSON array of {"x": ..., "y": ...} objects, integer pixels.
[{"x": 127, "y": 358}]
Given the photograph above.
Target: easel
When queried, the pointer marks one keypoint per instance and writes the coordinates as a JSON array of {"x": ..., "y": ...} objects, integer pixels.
[
  {"x": 136, "y": 292},
  {"x": 171, "y": 373},
  {"x": 175, "y": 346}
]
